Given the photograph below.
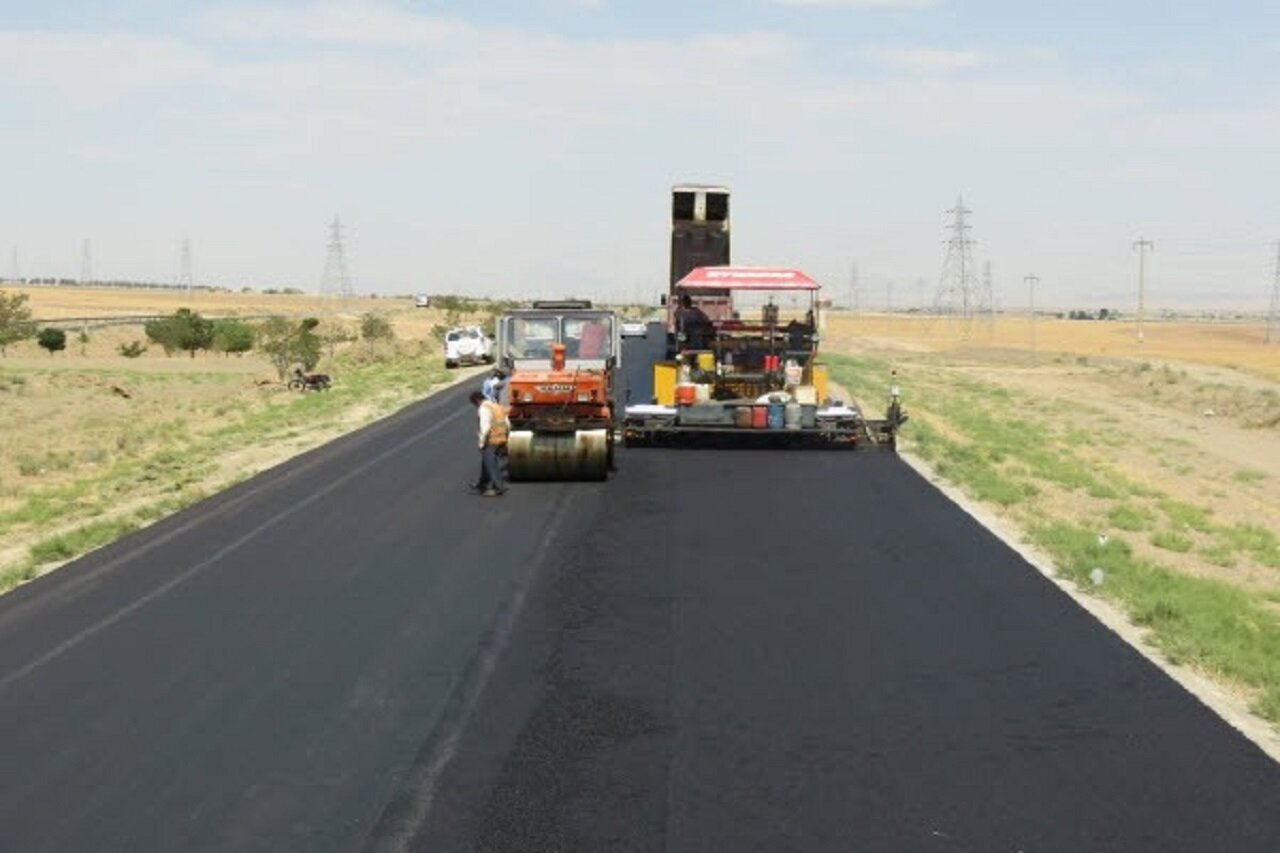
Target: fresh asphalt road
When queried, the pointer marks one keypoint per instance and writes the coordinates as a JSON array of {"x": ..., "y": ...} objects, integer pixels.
[{"x": 718, "y": 650}]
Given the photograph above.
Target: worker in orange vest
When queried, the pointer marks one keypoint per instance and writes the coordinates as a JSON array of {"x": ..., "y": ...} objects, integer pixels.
[{"x": 492, "y": 438}]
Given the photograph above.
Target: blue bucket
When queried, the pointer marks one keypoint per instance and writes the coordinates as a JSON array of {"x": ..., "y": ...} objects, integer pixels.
[{"x": 777, "y": 415}]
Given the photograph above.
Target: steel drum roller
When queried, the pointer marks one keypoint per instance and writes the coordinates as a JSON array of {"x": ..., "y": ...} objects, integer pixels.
[{"x": 581, "y": 455}]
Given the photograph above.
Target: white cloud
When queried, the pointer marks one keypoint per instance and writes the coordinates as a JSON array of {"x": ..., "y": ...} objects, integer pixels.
[
  {"x": 861, "y": 4},
  {"x": 96, "y": 69},
  {"x": 365, "y": 22},
  {"x": 431, "y": 131},
  {"x": 924, "y": 60}
]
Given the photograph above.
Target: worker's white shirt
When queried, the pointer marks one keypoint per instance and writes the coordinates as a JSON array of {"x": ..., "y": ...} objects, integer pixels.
[{"x": 492, "y": 389}]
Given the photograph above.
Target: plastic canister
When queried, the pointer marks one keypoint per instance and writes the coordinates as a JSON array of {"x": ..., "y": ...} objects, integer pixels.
[
  {"x": 702, "y": 392},
  {"x": 707, "y": 361},
  {"x": 759, "y": 417},
  {"x": 777, "y": 415},
  {"x": 686, "y": 394},
  {"x": 742, "y": 417},
  {"x": 792, "y": 415}
]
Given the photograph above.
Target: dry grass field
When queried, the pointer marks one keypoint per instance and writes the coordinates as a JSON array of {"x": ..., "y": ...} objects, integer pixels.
[
  {"x": 53, "y": 303},
  {"x": 1237, "y": 346}
]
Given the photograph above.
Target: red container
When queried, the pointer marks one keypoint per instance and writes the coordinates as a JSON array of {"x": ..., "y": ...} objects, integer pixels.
[
  {"x": 759, "y": 417},
  {"x": 686, "y": 395}
]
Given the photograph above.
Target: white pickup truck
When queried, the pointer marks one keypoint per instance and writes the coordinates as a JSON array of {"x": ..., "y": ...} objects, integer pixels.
[{"x": 467, "y": 345}]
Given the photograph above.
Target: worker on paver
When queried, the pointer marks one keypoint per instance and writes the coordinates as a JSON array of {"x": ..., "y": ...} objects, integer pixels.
[
  {"x": 492, "y": 438},
  {"x": 493, "y": 385},
  {"x": 693, "y": 323}
]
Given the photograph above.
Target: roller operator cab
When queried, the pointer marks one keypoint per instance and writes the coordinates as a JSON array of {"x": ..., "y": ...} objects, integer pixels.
[{"x": 561, "y": 357}]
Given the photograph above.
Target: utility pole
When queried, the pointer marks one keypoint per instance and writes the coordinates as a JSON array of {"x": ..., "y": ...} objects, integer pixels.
[
  {"x": 186, "y": 277},
  {"x": 853, "y": 288},
  {"x": 1143, "y": 246},
  {"x": 1032, "y": 280},
  {"x": 1273, "y": 316},
  {"x": 13, "y": 266}
]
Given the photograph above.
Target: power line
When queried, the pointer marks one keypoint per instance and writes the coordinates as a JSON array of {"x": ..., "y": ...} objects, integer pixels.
[{"x": 1143, "y": 246}]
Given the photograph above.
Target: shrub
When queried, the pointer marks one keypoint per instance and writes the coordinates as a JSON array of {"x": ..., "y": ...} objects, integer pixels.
[
  {"x": 375, "y": 327},
  {"x": 132, "y": 349},
  {"x": 286, "y": 344},
  {"x": 15, "y": 320},
  {"x": 232, "y": 336},
  {"x": 51, "y": 339},
  {"x": 185, "y": 330}
]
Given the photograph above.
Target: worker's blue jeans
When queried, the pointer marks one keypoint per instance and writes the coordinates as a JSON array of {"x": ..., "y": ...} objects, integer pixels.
[{"x": 492, "y": 467}]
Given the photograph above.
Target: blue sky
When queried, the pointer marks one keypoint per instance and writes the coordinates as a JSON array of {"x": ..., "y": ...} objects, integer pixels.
[{"x": 521, "y": 148}]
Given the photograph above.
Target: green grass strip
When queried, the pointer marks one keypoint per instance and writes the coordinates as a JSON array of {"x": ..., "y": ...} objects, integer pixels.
[{"x": 1200, "y": 621}]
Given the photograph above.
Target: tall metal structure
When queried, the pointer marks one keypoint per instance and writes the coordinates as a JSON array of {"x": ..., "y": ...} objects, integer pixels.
[
  {"x": 1273, "y": 315},
  {"x": 1143, "y": 246},
  {"x": 336, "y": 280},
  {"x": 186, "y": 274},
  {"x": 1032, "y": 280},
  {"x": 14, "y": 273},
  {"x": 960, "y": 295},
  {"x": 853, "y": 287}
]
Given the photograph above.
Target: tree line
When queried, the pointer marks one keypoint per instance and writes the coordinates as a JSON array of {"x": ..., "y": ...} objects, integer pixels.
[{"x": 282, "y": 341}]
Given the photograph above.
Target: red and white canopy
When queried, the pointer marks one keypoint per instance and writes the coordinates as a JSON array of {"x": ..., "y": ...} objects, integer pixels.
[{"x": 746, "y": 278}]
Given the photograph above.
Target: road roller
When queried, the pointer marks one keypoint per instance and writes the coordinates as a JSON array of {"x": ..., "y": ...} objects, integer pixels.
[{"x": 561, "y": 358}]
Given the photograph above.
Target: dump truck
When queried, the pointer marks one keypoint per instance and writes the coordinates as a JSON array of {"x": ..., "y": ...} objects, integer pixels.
[
  {"x": 560, "y": 357},
  {"x": 742, "y": 348}
]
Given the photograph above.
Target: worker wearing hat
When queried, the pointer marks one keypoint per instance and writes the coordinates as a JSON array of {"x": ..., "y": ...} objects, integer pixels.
[{"x": 493, "y": 385}]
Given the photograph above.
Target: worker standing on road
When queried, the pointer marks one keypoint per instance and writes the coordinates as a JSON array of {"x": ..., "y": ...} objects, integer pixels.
[
  {"x": 492, "y": 438},
  {"x": 493, "y": 385}
]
